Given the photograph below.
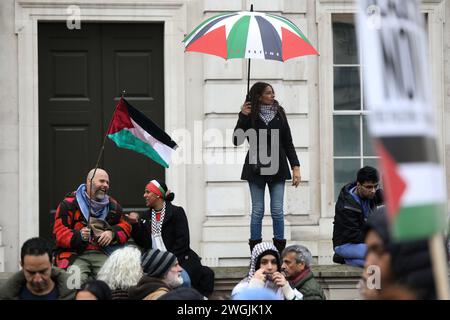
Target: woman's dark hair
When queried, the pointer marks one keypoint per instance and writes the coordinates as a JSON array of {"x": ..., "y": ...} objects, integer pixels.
[
  {"x": 255, "y": 93},
  {"x": 98, "y": 288},
  {"x": 170, "y": 196}
]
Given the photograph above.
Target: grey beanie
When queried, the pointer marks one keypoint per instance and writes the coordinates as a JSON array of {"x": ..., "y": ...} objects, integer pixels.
[{"x": 156, "y": 263}]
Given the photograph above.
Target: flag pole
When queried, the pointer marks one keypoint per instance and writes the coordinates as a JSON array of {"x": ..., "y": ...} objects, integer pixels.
[
  {"x": 98, "y": 161},
  {"x": 104, "y": 139},
  {"x": 439, "y": 263}
]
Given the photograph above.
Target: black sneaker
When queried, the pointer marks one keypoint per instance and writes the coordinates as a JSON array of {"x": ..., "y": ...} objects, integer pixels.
[{"x": 338, "y": 259}]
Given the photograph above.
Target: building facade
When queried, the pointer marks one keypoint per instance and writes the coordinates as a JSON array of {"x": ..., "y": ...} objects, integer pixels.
[{"x": 202, "y": 96}]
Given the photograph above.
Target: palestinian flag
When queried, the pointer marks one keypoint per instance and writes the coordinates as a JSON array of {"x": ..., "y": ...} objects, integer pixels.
[
  {"x": 415, "y": 186},
  {"x": 130, "y": 129},
  {"x": 398, "y": 94}
]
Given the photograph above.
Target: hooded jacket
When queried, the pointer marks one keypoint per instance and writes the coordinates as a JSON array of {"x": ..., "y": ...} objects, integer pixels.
[{"x": 349, "y": 219}]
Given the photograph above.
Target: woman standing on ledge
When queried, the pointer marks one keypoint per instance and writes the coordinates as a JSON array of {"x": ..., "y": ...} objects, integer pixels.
[{"x": 264, "y": 123}]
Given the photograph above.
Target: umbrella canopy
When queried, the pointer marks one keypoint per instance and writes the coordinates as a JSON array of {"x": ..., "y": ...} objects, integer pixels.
[{"x": 248, "y": 34}]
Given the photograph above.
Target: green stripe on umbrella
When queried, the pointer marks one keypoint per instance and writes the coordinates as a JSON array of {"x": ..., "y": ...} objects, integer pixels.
[{"x": 237, "y": 39}]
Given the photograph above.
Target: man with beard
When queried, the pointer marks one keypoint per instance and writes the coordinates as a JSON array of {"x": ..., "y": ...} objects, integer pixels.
[
  {"x": 356, "y": 202},
  {"x": 37, "y": 280},
  {"x": 88, "y": 225},
  {"x": 162, "y": 273}
]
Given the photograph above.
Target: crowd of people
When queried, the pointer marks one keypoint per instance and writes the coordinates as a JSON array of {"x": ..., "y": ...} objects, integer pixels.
[{"x": 101, "y": 253}]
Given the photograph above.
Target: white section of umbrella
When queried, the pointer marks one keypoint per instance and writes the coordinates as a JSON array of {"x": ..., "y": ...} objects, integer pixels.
[{"x": 254, "y": 47}]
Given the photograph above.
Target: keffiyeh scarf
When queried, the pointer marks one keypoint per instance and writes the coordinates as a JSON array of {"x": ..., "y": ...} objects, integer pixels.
[
  {"x": 157, "y": 222},
  {"x": 267, "y": 113}
]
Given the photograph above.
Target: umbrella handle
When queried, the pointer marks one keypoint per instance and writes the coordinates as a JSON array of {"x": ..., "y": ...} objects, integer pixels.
[{"x": 247, "y": 98}]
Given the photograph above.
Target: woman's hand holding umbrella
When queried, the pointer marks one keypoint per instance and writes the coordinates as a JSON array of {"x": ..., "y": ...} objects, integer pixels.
[{"x": 246, "y": 108}]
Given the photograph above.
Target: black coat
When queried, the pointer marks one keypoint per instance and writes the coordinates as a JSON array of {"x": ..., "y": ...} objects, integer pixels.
[
  {"x": 284, "y": 143},
  {"x": 175, "y": 234},
  {"x": 349, "y": 219}
]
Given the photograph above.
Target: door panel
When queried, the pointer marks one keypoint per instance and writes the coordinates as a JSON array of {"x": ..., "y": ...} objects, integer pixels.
[
  {"x": 133, "y": 61},
  {"x": 81, "y": 74}
]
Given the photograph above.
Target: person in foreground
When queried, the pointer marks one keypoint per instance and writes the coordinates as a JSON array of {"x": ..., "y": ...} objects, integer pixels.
[
  {"x": 37, "y": 280},
  {"x": 265, "y": 273}
]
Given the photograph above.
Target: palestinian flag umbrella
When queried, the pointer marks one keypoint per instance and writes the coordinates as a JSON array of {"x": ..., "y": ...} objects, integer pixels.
[{"x": 249, "y": 34}]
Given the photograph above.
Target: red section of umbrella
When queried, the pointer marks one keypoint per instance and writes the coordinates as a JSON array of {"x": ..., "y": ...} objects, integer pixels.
[
  {"x": 395, "y": 186},
  {"x": 214, "y": 42},
  {"x": 293, "y": 46}
]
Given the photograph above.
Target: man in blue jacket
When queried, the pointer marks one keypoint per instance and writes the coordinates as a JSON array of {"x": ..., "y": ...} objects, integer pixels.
[{"x": 356, "y": 202}]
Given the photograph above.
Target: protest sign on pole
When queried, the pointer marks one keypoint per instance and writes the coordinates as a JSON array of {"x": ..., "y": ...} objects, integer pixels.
[{"x": 393, "y": 45}]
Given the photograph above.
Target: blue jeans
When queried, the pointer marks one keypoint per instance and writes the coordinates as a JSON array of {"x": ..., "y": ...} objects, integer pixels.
[
  {"x": 354, "y": 254},
  {"x": 276, "y": 190}
]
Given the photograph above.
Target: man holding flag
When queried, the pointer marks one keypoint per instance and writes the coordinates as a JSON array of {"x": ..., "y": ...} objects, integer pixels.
[{"x": 87, "y": 223}]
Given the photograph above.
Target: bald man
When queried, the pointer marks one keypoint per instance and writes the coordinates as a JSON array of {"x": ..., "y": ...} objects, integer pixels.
[{"x": 89, "y": 224}]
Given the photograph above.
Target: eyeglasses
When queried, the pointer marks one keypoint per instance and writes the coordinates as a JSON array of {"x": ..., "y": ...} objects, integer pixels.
[{"x": 371, "y": 187}]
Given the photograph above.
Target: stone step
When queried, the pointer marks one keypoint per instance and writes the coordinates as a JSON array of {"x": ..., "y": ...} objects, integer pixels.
[
  {"x": 339, "y": 282},
  {"x": 237, "y": 253},
  {"x": 225, "y": 230}
]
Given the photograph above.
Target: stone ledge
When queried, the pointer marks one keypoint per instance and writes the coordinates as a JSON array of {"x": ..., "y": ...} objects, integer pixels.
[
  {"x": 338, "y": 281},
  {"x": 320, "y": 271}
]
